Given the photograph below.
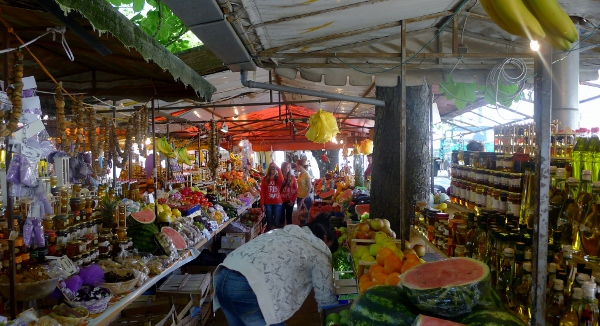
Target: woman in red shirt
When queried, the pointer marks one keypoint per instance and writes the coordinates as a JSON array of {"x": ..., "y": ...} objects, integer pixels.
[
  {"x": 289, "y": 192},
  {"x": 270, "y": 198}
]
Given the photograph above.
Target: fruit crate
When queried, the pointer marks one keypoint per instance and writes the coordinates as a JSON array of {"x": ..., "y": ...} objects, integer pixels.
[
  {"x": 327, "y": 310},
  {"x": 344, "y": 286},
  {"x": 197, "y": 285},
  {"x": 368, "y": 242}
]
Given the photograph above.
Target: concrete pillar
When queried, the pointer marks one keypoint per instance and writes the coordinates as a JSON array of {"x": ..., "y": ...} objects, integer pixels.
[
  {"x": 565, "y": 90},
  {"x": 386, "y": 179}
]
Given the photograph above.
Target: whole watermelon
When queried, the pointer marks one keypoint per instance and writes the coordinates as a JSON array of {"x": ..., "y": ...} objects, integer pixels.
[
  {"x": 492, "y": 300},
  {"x": 447, "y": 288},
  {"x": 490, "y": 317},
  {"x": 382, "y": 305}
]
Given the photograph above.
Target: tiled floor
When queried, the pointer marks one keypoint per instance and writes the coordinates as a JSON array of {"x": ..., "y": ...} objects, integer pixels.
[{"x": 308, "y": 315}]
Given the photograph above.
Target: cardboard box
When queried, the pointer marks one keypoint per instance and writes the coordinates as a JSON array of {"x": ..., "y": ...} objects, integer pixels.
[{"x": 233, "y": 240}]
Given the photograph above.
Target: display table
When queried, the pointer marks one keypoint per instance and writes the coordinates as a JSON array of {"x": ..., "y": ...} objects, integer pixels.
[{"x": 114, "y": 309}]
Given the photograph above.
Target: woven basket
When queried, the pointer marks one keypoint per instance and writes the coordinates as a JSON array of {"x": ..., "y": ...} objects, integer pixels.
[
  {"x": 30, "y": 291},
  {"x": 93, "y": 306},
  {"x": 71, "y": 321},
  {"x": 120, "y": 287}
]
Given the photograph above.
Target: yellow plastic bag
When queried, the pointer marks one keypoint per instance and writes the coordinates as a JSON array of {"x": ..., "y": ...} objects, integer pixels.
[
  {"x": 366, "y": 147},
  {"x": 323, "y": 127}
]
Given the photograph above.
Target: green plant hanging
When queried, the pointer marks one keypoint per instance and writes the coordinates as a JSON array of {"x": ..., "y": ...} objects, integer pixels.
[{"x": 462, "y": 94}]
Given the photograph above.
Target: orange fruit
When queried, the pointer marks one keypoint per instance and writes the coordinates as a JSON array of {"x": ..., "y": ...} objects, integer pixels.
[
  {"x": 382, "y": 254},
  {"x": 393, "y": 279},
  {"x": 411, "y": 256},
  {"x": 375, "y": 269},
  {"x": 409, "y": 264},
  {"x": 392, "y": 264},
  {"x": 379, "y": 278},
  {"x": 376, "y": 283},
  {"x": 364, "y": 286},
  {"x": 364, "y": 278}
]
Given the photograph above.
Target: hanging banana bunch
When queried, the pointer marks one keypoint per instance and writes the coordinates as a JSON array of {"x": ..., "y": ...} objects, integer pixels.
[
  {"x": 164, "y": 147},
  {"x": 15, "y": 94},
  {"x": 534, "y": 19}
]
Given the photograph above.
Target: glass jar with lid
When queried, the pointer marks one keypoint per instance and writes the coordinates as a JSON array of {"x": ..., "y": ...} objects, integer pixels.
[
  {"x": 479, "y": 175},
  {"x": 48, "y": 222},
  {"x": 499, "y": 162},
  {"x": 460, "y": 251},
  {"x": 61, "y": 222},
  {"x": 73, "y": 248},
  {"x": 515, "y": 182},
  {"x": 514, "y": 203},
  {"x": 503, "y": 202},
  {"x": 505, "y": 180},
  {"x": 508, "y": 163}
]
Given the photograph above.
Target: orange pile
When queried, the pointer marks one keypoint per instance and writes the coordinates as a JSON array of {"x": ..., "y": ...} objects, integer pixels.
[{"x": 387, "y": 270}]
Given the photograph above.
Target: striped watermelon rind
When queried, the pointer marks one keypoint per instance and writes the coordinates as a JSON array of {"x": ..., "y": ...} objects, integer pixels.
[
  {"x": 382, "y": 305},
  {"x": 451, "y": 300},
  {"x": 491, "y": 317},
  {"x": 492, "y": 300},
  {"x": 423, "y": 320}
]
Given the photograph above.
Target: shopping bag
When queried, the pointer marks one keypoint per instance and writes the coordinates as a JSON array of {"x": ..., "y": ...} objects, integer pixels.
[{"x": 302, "y": 214}]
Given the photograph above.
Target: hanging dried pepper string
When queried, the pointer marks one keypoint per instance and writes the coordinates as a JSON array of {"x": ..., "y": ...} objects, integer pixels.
[{"x": 15, "y": 96}]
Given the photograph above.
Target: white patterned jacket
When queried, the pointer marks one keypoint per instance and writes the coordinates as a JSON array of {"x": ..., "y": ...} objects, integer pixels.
[{"x": 282, "y": 266}]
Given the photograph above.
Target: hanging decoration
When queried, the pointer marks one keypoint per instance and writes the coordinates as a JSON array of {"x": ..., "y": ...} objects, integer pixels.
[
  {"x": 95, "y": 145},
  {"x": 323, "y": 127},
  {"x": 366, "y": 147},
  {"x": 78, "y": 125},
  {"x": 62, "y": 139},
  {"x": 213, "y": 149},
  {"x": 140, "y": 120},
  {"x": 14, "y": 94},
  {"x": 324, "y": 158}
]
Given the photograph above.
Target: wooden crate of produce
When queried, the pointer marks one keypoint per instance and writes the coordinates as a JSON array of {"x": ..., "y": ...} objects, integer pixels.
[{"x": 196, "y": 285}]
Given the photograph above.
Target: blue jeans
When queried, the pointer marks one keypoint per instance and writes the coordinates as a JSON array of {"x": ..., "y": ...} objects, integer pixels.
[
  {"x": 238, "y": 301},
  {"x": 273, "y": 213}
]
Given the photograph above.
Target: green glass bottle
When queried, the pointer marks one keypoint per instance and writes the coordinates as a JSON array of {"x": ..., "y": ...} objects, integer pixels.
[
  {"x": 569, "y": 214},
  {"x": 557, "y": 200},
  {"x": 571, "y": 316},
  {"x": 590, "y": 227},
  {"x": 588, "y": 155},
  {"x": 595, "y": 150},
  {"x": 581, "y": 145}
]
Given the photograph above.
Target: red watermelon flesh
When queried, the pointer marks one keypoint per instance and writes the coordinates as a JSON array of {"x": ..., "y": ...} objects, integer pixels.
[
  {"x": 346, "y": 194},
  {"x": 178, "y": 240},
  {"x": 447, "y": 288},
  {"x": 444, "y": 273},
  {"x": 423, "y": 320},
  {"x": 145, "y": 216}
]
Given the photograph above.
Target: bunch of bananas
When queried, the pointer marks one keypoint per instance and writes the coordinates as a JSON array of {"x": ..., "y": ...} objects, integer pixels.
[
  {"x": 235, "y": 160},
  {"x": 163, "y": 147},
  {"x": 534, "y": 19},
  {"x": 182, "y": 156}
]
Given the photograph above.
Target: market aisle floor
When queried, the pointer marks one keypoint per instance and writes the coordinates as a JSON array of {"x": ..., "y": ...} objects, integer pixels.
[{"x": 308, "y": 315}]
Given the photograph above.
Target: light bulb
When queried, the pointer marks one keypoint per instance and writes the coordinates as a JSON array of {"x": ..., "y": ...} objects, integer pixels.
[{"x": 534, "y": 45}]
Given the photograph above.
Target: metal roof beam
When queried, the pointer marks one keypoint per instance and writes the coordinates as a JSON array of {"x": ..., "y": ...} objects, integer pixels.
[
  {"x": 314, "y": 13},
  {"x": 269, "y": 52}
]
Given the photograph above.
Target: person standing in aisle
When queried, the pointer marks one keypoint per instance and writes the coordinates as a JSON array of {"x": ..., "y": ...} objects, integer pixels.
[
  {"x": 270, "y": 197},
  {"x": 304, "y": 187},
  {"x": 289, "y": 192},
  {"x": 265, "y": 281},
  {"x": 368, "y": 171}
]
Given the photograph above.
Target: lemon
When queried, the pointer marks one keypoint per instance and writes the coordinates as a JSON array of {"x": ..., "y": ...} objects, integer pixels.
[{"x": 443, "y": 207}]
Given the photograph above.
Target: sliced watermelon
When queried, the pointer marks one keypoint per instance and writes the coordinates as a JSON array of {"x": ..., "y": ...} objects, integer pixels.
[
  {"x": 363, "y": 208},
  {"x": 346, "y": 194},
  {"x": 382, "y": 305},
  {"x": 491, "y": 317},
  {"x": 327, "y": 194},
  {"x": 447, "y": 288},
  {"x": 423, "y": 320},
  {"x": 178, "y": 240},
  {"x": 145, "y": 216}
]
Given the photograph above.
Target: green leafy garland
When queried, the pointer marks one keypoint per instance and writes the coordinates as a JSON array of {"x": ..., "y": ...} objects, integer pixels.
[{"x": 464, "y": 94}]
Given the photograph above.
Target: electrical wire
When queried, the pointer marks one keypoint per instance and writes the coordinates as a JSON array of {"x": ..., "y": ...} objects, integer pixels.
[
  {"x": 498, "y": 76},
  {"x": 415, "y": 54}
]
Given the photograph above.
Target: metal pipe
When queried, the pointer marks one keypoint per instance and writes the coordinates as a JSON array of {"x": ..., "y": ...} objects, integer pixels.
[
  {"x": 309, "y": 92},
  {"x": 565, "y": 88},
  {"x": 114, "y": 159},
  {"x": 543, "y": 86},
  {"x": 154, "y": 171}
]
